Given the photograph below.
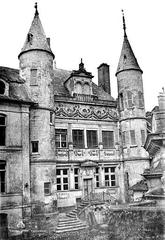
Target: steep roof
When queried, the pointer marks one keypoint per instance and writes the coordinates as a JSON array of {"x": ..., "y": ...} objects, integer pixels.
[
  {"x": 36, "y": 38},
  {"x": 60, "y": 76},
  {"x": 127, "y": 59},
  {"x": 140, "y": 186},
  {"x": 17, "y": 88}
]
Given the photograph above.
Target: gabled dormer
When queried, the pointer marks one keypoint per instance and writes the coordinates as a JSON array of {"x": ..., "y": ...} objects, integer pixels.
[{"x": 79, "y": 82}]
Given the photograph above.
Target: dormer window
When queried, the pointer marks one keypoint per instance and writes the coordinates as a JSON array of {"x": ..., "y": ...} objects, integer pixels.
[
  {"x": 86, "y": 89},
  {"x": 30, "y": 38},
  {"x": 2, "y": 87},
  {"x": 78, "y": 88}
]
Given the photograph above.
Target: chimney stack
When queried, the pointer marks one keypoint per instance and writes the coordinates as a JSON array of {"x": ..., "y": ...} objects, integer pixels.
[
  {"x": 48, "y": 41},
  {"x": 104, "y": 77}
]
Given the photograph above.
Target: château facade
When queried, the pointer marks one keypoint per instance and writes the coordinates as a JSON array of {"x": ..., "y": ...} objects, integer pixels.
[{"x": 62, "y": 137}]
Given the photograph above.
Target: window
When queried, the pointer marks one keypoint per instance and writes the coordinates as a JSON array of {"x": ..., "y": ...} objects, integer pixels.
[
  {"x": 30, "y": 38},
  {"x": 86, "y": 89},
  {"x": 2, "y": 87},
  {"x": 78, "y": 88},
  {"x": 34, "y": 146},
  {"x": 143, "y": 137},
  {"x": 33, "y": 77},
  {"x": 78, "y": 138},
  {"x": 97, "y": 178},
  {"x": 2, "y": 176},
  {"x": 76, "y": 181},
  {"x": 132, "y": 135},
  {"x": 110, "y": 178},
  {"x": 130, "y": 99},
  {"x": 62, "y": 179},
  {"x": 2, "y": 130},
  {"x": 47, "y": 188},
  {"x": 51, "y": 117},
  {"x": 140, "y": 98},
  {"x": 61, "y": 138},
  {"x": 92, "y": 139},
  {"x": 124, "y": 138},
  {"x": 121, "y": 101},
  {"x": 108, "y": 139}
]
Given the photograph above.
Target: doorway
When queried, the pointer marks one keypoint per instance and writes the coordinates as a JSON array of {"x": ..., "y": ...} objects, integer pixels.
[{"x": 88, "y": 188}]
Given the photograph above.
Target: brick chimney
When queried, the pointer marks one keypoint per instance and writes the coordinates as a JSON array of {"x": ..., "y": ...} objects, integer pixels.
[{"x": 104, "y": 77}]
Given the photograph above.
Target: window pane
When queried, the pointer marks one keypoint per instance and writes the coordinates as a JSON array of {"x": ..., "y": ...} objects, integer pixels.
[
  {"x": 76, "y": 186},
  {"x": 58, "y": 187},
  {"x": 58, "y": 180},
  {"x": 112, "y": 169},
  {"x": 65, "y": 187},
  {"x": 58, "y": 171},
  {"x": 78, "y": 138},
  {"x": 113, "y": 183},
  {"x": 76, "y": 171},
  {"x": 112, "y": 177},
  {"x": 106, "y": 170},
  {"x": 61, "y": 138},
  {"x": 76, "y": 179},
  {"x": 2, "y": 135},
  {"x": 106, "y": 177},
  {"x": 65, "y": 171},
  {"x": 92, "y": 138},
  {"x": 143, "y": 136},
  {"x": 35, "y": 146},
  {"x": 65, "y": 180},
  {"x": 2, "y": 87}
]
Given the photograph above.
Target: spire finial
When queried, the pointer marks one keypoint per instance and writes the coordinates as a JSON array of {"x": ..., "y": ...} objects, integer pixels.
[
  {"x": 36, "y": 7},
  {"x": 81, "y": 65},
  {"x": 124, "y": 25}
]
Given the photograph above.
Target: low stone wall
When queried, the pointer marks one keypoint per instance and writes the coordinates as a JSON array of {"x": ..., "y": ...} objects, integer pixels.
[{"x": 136, "y": 223}]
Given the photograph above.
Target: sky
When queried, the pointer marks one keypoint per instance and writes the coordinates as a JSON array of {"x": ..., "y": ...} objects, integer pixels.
[{"x": 92, "y": 30}]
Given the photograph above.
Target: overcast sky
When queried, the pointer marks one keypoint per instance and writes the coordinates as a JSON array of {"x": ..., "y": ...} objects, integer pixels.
[{"x": 91, "y": 29}]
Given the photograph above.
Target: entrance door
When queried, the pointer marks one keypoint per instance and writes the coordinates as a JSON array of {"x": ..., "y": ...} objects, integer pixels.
[{"x": 87, "y": 188}]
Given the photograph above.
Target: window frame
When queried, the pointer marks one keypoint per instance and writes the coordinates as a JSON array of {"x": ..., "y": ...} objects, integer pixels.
[
  {"x": 76, "y": 176},
  {"x": 3, "y": 131},
  {"x": 3, "y": 172},
  {"x": 109, "y": 174},
  {"x": 132, "y": 137},
  {"x": 130, "y": 99},
  {"x": 108, "y": 145},
  {"x": 2, "y": 87},
  {"x": 97, "y": 177},
  {"x": 61, "y": 132},
  {"x": 92, "y": 141},
  {"x": 33, "y": 77},
  {"x": 47, "y": 188},
  {"x": 143, "y": 136},
  {"x": 78, "y": 144},
  {"x": 33, "y": 147},
  {"x": 62, "y": 182}
]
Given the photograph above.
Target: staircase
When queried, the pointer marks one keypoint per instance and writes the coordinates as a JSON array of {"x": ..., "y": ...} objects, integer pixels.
[{"x": 70, "y": 222}]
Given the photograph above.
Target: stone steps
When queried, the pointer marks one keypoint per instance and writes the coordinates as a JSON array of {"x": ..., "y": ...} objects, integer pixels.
[{"x": 69, "y": 224}]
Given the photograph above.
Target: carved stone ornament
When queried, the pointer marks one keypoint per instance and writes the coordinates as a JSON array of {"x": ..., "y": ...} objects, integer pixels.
[{"x": 77, "y": 111}]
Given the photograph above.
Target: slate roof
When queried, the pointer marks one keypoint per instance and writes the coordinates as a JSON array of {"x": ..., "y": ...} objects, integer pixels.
[
  {"x": 60, "y": 76},
  {"x": 17, "y": 88},
  {"x": 127, "y": 58},
  {"x": 140, "y": 186},
  {"x": 36, "y": 38}
]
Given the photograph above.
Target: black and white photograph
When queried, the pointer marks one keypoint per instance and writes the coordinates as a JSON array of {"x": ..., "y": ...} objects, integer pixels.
[{"x": 82, "y": 120}]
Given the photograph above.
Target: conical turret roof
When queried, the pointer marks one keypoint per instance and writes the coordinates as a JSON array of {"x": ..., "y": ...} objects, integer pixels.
[
  {"x": 36, "y": 38},
  {"x": 127, "y": 59}
]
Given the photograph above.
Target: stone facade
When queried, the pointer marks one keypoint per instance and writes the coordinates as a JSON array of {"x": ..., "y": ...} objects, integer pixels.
[{"x": 63, "y": 137}]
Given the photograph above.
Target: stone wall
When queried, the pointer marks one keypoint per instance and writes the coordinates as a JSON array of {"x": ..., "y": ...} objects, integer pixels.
[{"x": 136, "y": 223}]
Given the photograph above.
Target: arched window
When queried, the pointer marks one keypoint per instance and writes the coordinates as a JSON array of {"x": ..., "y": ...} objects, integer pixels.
[
  {"x": 130, "y": 102},
  {"x": 140, "y": 99},
  {"x": 86, "y": 89},
  {"x": 2, "y": 87},
  {"x": 2, "y": 129},
  {"x": 78, "y": 88}
]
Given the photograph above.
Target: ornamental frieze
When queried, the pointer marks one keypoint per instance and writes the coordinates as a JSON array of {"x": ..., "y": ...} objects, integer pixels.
[{"x": 77, "y": 111}]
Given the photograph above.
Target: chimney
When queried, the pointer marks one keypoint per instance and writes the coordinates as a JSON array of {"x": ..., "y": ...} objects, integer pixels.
[
  {"x": 160, "y": 115},
  {"x": 48, "y": 41},
  {"x": 104, "y": 77}
]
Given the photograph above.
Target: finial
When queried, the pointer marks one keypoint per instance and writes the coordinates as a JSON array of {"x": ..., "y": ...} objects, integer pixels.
[
  {"x": 124, "y": 25},
  {"x": 36, "y": 7},
  {"x": 163, "y": 89},
  {"x": 81, "y": 65}
]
